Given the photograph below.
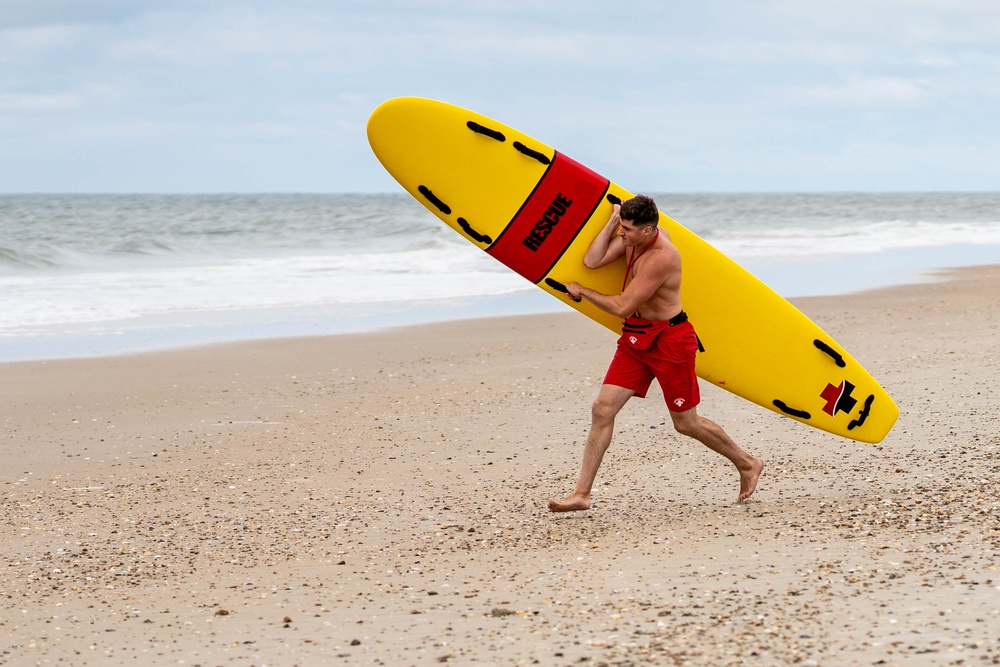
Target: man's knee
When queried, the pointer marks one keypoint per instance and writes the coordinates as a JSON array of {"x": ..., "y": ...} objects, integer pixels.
[
  {"x": 686, "y": 423},
  {"x": 602, "y": 409},
  {"x": 606, "y": 406}
]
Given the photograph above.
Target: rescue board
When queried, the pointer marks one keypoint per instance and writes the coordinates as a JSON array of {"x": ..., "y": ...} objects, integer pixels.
[{"x": 536, "y": 210}]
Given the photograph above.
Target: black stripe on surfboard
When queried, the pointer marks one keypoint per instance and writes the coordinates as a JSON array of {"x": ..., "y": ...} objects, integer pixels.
[
  {"x": 781, "y": 405},
  {"x": 527, "y": 200},
  {"x": 587, "y": 218},
  {"x": 525, "y": 203}
]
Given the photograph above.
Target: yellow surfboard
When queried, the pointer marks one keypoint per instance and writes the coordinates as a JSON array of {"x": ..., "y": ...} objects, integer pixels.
[{"x": 536, "y": 210}]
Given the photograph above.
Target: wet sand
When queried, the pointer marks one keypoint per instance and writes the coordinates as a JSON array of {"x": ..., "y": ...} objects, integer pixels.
[{"x": 380, "y": 499}]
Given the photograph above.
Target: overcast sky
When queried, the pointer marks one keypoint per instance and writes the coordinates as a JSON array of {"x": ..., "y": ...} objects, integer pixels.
[{"x": 659, "y": 95}]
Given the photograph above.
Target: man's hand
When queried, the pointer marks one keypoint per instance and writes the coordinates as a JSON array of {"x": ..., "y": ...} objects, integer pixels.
[{"x": 575, "y": 290}]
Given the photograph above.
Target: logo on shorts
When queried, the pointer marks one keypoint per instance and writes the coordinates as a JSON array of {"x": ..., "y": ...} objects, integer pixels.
[
  {"x": 679, "y": 402},
  {"x": 632, "y": 339}
]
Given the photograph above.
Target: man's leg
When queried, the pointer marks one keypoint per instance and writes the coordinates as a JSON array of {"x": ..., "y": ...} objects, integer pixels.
[
  {"x": 710, "y": 434},
  {"x": 607, "y": 405}
]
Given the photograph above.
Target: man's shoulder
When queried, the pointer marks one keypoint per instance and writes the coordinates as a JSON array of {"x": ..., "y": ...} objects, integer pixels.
[{"x": 665, "y": 250}]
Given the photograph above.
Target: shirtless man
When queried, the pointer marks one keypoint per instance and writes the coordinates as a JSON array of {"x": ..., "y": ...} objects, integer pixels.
[{"x": 657, "y": 341}]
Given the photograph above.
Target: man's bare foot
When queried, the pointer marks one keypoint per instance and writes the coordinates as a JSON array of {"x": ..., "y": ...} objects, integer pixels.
[
  {"x": 748, "y": 479},
  {"x": 571, "y": 503}
]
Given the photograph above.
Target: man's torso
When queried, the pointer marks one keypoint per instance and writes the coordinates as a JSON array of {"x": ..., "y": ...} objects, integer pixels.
[{"x": 665, "y": 302}]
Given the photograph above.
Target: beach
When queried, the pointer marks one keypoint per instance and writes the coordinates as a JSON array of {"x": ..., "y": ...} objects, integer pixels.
[{"x": 379, "y": 498}]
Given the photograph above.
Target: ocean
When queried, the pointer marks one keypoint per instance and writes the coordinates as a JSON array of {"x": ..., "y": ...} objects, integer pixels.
[{"x": 88, "y": 275}]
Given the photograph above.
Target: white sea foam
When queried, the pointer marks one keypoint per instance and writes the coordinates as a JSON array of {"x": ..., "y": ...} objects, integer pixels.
[
  {"x": 31, "y": 304},
  {"x": 120, "y": 264},
  {"x": 802, "y": 242}
]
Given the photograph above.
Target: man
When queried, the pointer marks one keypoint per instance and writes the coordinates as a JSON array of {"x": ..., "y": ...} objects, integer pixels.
[{"x": 657, "y": 341}]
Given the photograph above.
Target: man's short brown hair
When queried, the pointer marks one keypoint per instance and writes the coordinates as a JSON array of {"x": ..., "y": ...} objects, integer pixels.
[{"x": 640, "y": 211}]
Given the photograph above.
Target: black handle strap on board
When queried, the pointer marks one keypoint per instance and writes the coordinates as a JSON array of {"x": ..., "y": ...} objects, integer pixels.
[
  {"x": 432, "y": 198},
  {"x": 462, "y": 222},
  {"x": 473, "y": 234},
  {"x": 836, "y": 356},
  {"x": 865, "y": 411},
  {"x": 781, "y": 405},
  {"x": 486, "y": 131},
  {"x": 531, "y": 152},
  {"x": 559, "y": 287},
  {"x": 479, "y": 128}
]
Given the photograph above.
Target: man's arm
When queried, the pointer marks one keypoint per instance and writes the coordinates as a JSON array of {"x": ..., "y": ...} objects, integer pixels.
[
  {"x": 606, "y": 246},
  {"x": 648, "y": 278}
]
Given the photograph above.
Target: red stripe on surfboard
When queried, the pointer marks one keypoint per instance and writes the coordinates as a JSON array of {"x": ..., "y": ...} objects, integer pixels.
[{"x": 550, "y": 218}]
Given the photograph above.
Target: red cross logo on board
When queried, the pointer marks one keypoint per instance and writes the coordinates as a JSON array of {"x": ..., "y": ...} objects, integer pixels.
[{"x": 838, "y": 398}]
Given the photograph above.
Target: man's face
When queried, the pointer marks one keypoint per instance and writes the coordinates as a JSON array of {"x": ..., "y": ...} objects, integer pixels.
[{"x": 632, "y": 235}]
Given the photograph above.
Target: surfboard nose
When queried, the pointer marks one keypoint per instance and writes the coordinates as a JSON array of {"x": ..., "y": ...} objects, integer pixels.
[{"x": 390, "y": 120}]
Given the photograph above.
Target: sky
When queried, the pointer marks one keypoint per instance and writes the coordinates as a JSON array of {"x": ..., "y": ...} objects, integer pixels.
[{"x": 190, "y": 96}]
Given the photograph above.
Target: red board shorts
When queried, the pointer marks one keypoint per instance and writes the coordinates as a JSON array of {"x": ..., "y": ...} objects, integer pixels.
[{"x": 669, "y": 356}]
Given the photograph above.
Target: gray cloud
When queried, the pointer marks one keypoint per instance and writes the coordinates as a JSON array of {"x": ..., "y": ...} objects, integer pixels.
[{"x": 251, "y": 95}]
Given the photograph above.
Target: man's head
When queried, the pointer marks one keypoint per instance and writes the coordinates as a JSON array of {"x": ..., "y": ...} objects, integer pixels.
[{"x": 640, "y": 210}]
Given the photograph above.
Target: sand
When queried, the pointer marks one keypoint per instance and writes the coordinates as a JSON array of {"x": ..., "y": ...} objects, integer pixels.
[{"x": 380, "y": 499}]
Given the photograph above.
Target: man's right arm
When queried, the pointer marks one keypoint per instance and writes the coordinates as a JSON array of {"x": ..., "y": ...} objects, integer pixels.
[{"x": 606, "y": 246}]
